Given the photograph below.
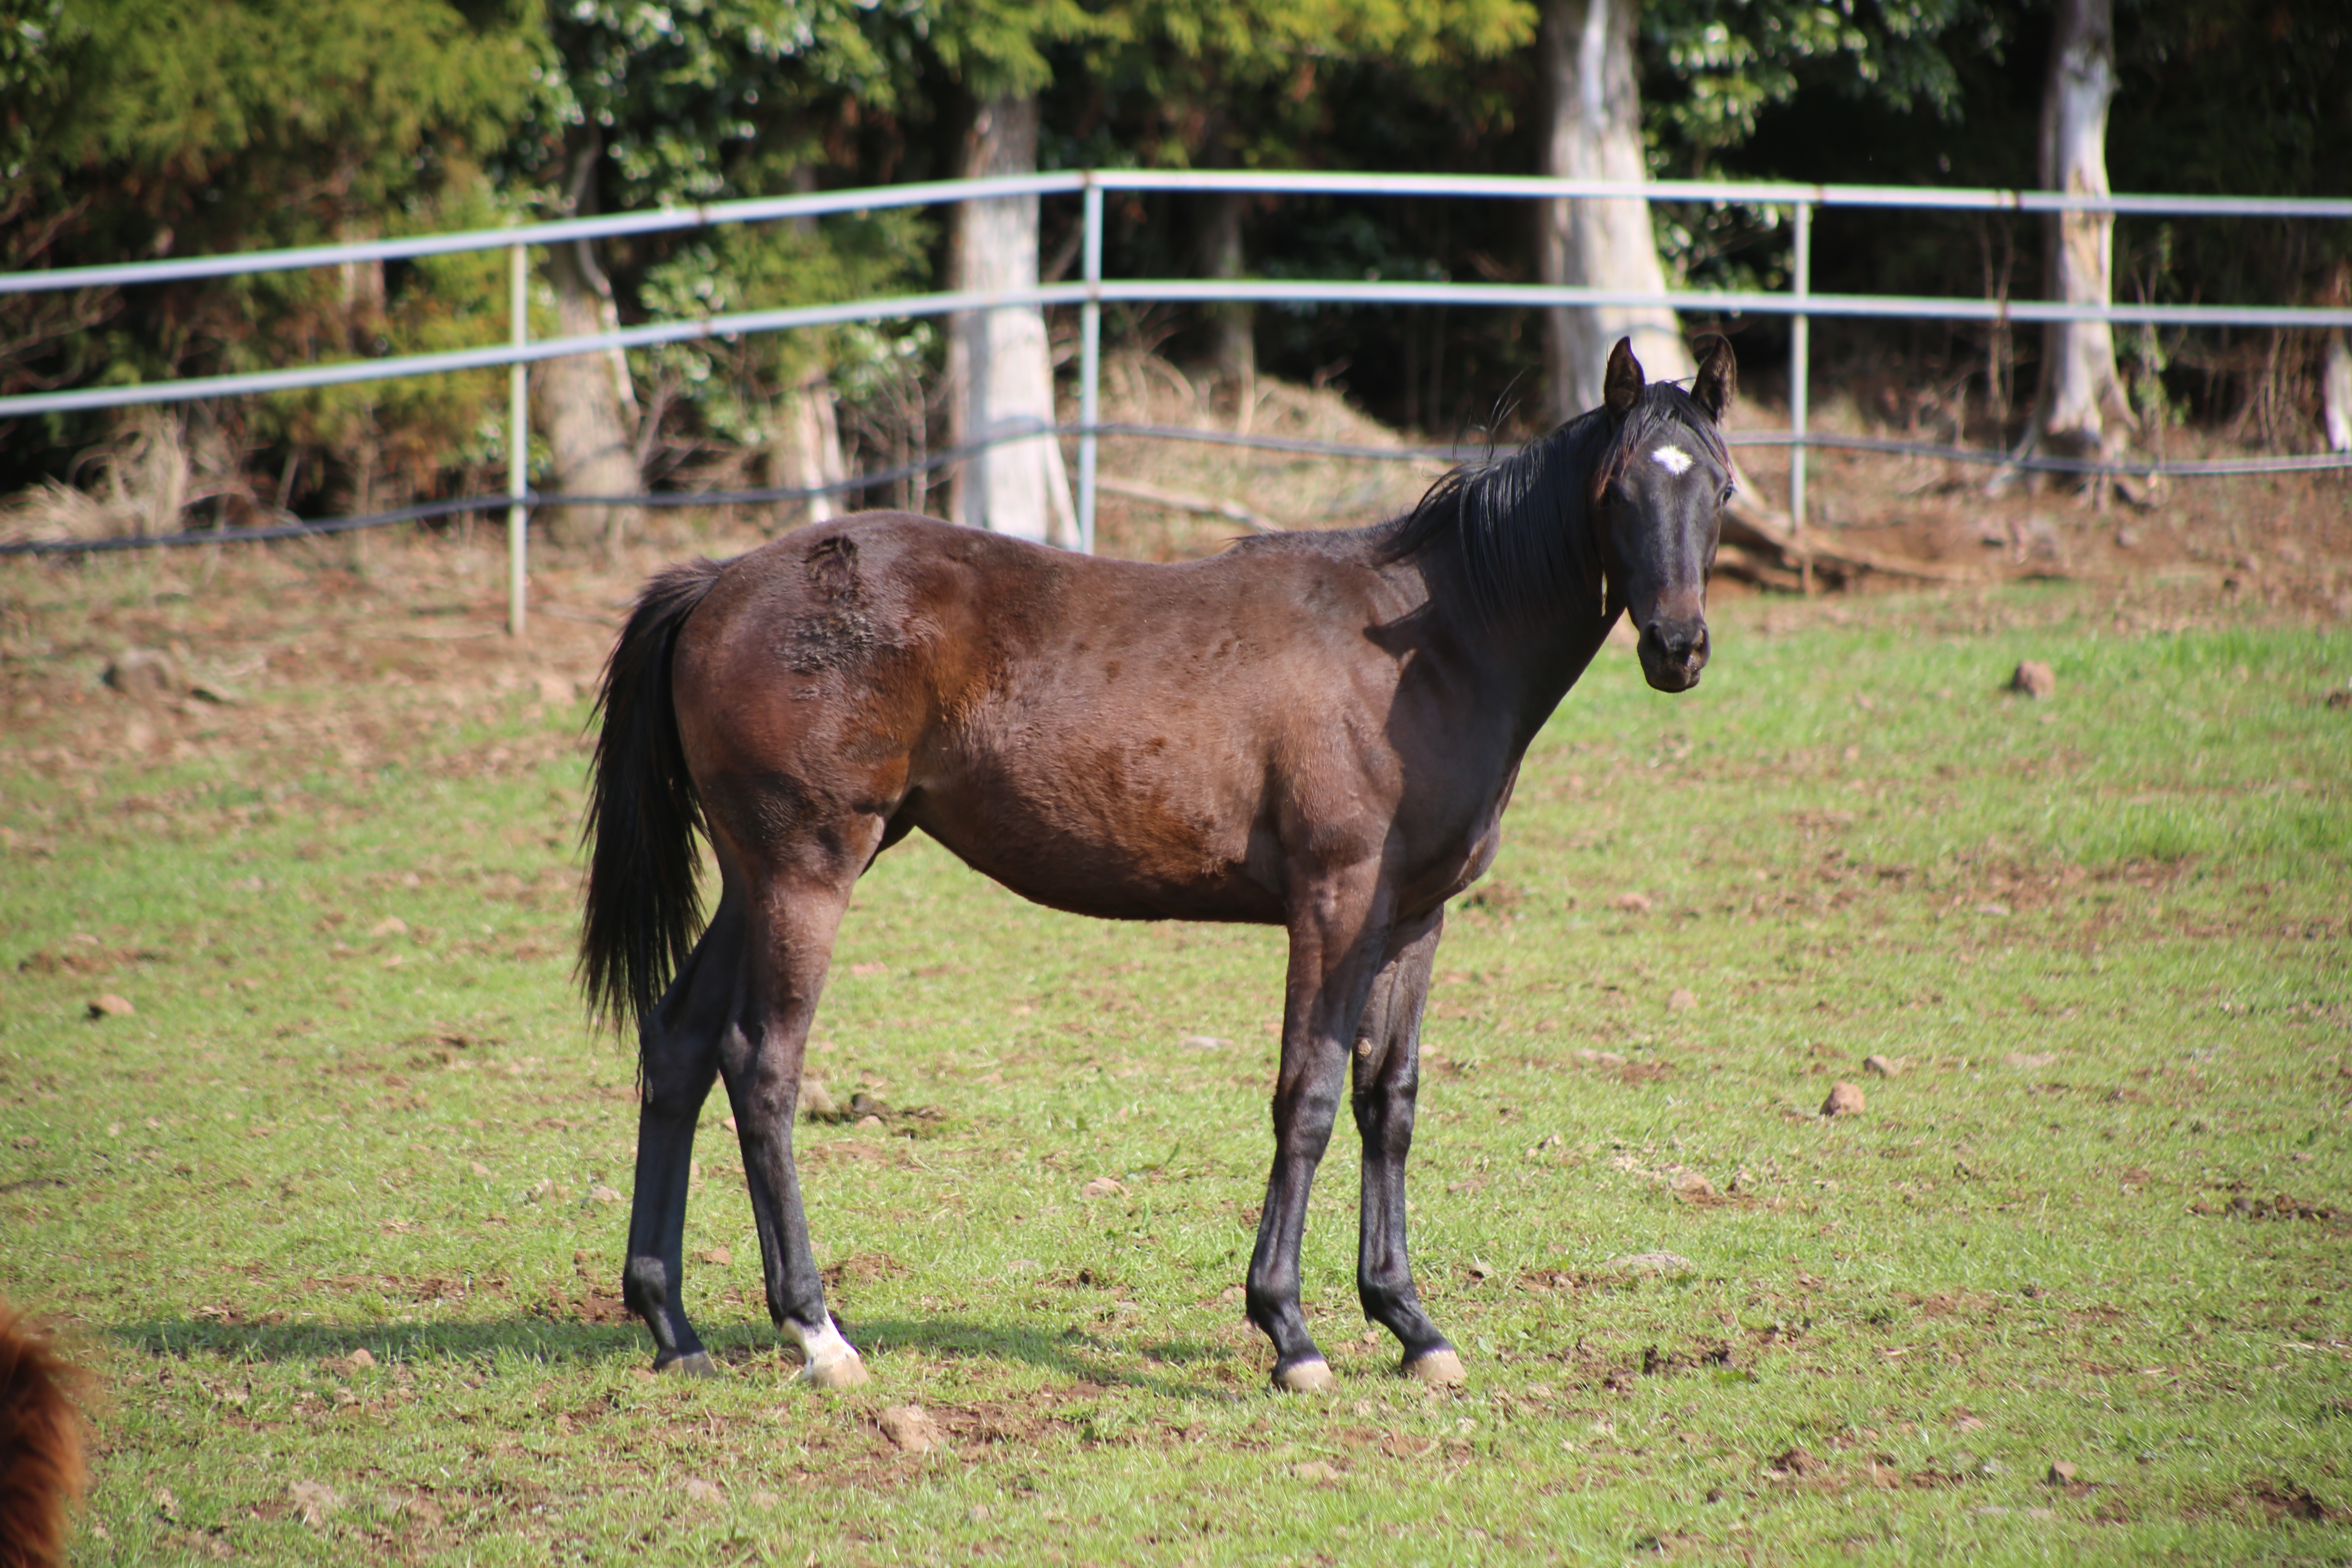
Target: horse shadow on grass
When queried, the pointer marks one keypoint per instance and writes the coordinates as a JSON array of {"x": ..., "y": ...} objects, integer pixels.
[{"x": 1164, "y": 1367}]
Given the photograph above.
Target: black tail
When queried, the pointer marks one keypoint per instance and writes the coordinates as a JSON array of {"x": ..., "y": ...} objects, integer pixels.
[{"x": 642, "y": 912}]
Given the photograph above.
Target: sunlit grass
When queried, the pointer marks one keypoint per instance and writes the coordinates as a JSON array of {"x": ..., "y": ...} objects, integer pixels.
[{"x": 2103, "y": 936}]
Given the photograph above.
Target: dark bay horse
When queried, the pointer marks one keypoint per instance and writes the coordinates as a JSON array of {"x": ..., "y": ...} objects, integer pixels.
[{"x": 1315, "y": 730}]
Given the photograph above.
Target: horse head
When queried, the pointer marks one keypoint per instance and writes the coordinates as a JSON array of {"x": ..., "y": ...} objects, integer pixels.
[{"x": 1660, "y": 507}]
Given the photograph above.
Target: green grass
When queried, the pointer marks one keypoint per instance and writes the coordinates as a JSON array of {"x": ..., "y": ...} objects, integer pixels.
[{"x": 2107, "y": 934}]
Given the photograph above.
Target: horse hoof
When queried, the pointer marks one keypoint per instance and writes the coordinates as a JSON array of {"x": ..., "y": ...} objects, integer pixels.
[
  {"x": 698, "y": 1364},
  {"x": 1307, "y": 1377},
  {"x": 843, "y": 1372},
  {"x": 1440, "y": 1368}
]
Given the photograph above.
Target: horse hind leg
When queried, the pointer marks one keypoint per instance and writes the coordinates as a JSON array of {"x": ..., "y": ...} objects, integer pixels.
[
  {"x": 678, "y": 1045},
  {"x": 789, "y": 947},
  {"x": 1388, "y": 1080}
]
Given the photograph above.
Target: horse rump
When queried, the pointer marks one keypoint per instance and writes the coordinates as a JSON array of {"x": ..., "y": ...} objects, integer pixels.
[{"x": 42, "y": 1474}]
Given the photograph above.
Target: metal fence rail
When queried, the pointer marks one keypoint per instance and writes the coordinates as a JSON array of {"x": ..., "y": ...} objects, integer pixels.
[{"x": 1798, "y": 302}]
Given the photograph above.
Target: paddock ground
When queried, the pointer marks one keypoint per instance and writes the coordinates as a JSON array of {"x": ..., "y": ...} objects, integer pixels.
[{"x": 2098, "y": 1217}]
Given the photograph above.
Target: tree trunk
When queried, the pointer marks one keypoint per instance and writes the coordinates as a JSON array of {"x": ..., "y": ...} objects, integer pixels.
[
  {"x": 2083, "y": 407},
  {"x": 2335, "y": 392},
  {"x": 1593, "y": 130},
  {"x": 586, "y": 401},
  {"x": 1233, "y": 347},
  {"x": 999, "y": 368},
  {"x": 809, "y": 450}
]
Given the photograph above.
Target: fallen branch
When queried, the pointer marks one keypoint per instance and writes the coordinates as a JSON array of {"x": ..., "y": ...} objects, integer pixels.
[{"x": 1181, "y": 501}]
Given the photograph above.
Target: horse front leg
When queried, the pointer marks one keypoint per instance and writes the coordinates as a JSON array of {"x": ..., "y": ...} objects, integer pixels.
[
  {"x": 1338, "y": 938},
  {"x": 1388, "y": 1079},
  {"x": 678, "y": 1057}
]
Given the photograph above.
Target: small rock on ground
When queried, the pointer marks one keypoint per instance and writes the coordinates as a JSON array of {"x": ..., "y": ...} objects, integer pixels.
[
  {"x": 1884, "y": 1066},
  {"x": 1632, "y": 903},
  {"x": 1102, "y": 1187},
  {"x": 1681, "y": 999},
  {"x": 817, "y": 1104},
  {"x": 699, "y": 1490},
  {"x": 2035, "y": 679},
  {"x": 1845, "y": 1100},
  {"x": 1317, "y": 1471},
  {"x": 911, "y": 1428},
  {"x": 111, "y": 1006},
  {"x": 2061, "y": 1473}
]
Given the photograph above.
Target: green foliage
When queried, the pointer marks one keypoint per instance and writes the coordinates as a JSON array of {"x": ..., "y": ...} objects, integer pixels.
[
  {"x": 732, "y": 385},
  {"x": 677, "y": 95}
]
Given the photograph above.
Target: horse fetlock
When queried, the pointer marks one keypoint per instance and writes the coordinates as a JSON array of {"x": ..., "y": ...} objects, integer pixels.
[{"x": 645, "y": 1285}]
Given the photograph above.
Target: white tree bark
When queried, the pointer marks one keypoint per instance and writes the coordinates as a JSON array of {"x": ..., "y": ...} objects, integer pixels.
[
  {"x": 999, "y": 367},
  {"x": 2082, "y": 404},
  {"x": 587, "y": 403},
  {"x": 808, "y": 450},
  {"x": 1593, "y": 108},
  {"x": 2335, "y": 393}
]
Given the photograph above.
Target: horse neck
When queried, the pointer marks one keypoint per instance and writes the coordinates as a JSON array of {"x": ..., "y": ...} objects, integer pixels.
[{"x": 1527, "y": 659}]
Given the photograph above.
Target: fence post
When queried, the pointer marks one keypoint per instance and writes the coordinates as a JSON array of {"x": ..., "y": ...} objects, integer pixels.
[
  {"x": 1800, "y": 352},
  {"x": 518, "y": 439},
  {"x": 1089, "y": 364}
]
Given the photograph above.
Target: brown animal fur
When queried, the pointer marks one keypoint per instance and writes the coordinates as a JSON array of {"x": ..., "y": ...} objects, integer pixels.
[{"x": 42, "y": 1474}]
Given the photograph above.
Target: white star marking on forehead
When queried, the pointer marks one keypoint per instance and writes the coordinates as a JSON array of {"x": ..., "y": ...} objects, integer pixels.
[{"x": 1673, "y": 459}]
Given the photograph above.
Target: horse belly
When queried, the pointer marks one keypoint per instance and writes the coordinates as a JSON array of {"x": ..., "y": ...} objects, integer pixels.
[{"x": 1070, "y": 832}]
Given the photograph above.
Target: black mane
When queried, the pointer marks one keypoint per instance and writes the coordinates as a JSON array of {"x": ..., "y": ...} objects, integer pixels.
[{"x": 1520, "y": 527}]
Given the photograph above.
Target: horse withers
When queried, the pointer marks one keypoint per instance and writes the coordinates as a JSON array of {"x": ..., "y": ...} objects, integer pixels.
[{"x": 1315, "y": 730}]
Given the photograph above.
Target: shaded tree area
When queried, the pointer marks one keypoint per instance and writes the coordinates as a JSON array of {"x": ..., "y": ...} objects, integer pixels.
[{"x": 137, "y": 128}]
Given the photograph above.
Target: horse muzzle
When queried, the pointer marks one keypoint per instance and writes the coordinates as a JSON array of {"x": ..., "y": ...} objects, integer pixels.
[{"x": 1673, "y": 652}]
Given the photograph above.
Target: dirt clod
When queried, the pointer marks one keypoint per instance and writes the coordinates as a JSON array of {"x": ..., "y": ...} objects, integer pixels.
[
  {"x": 2061, "y": 1473},
  {"x": 1796, "y": 1461},
  {"x": 1102, "y": 1187},
  {"x": 147, "y": 675},
  {"x": 1845, "y": 1100},
  {"x": 1681, "y": 999},
  {"x": 2035, "y": 679},
  {"x": 716, "y": 1257},
  {"x": 909, "y": 1427},
  {"x": 1319, "y": 1471},
  {"x": 1884, "y": 1066},
  {"x": 1632, "y": 903},
  {"x": 816, "y": 1103},
  {"x": 109, "y": 1005},
  {"x": 363, "y": 1357},
  {"x": 313, "y": 1502},
  {"x": 699, "y": 1490}
]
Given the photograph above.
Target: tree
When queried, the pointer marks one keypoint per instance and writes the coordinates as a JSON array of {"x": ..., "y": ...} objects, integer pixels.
[
  {"x": 1592, "y": 130},
  {"x": 2082, "y": 405},
  {"x": 644, "y": 104},
  {"x": 1000, "y": 373},
  {"x": 132, "y": 129}
]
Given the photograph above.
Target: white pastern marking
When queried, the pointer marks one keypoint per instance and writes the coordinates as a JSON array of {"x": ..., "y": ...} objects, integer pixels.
[
  {"x": 1673, "y": 459},
  {"x": 823, "y": 1346}
]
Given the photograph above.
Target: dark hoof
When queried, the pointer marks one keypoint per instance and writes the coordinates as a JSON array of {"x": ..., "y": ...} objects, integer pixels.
[{"x": 698, "y": 1364}]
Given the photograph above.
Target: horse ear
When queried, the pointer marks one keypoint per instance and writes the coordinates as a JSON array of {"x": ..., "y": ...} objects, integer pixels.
[
  {"x": 1718, "y": 378},
  {"x": 1620, "y": 387}
]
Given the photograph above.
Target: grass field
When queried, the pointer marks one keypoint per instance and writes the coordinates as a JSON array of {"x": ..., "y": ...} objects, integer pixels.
[{"x": 2099, "y": 1215}]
